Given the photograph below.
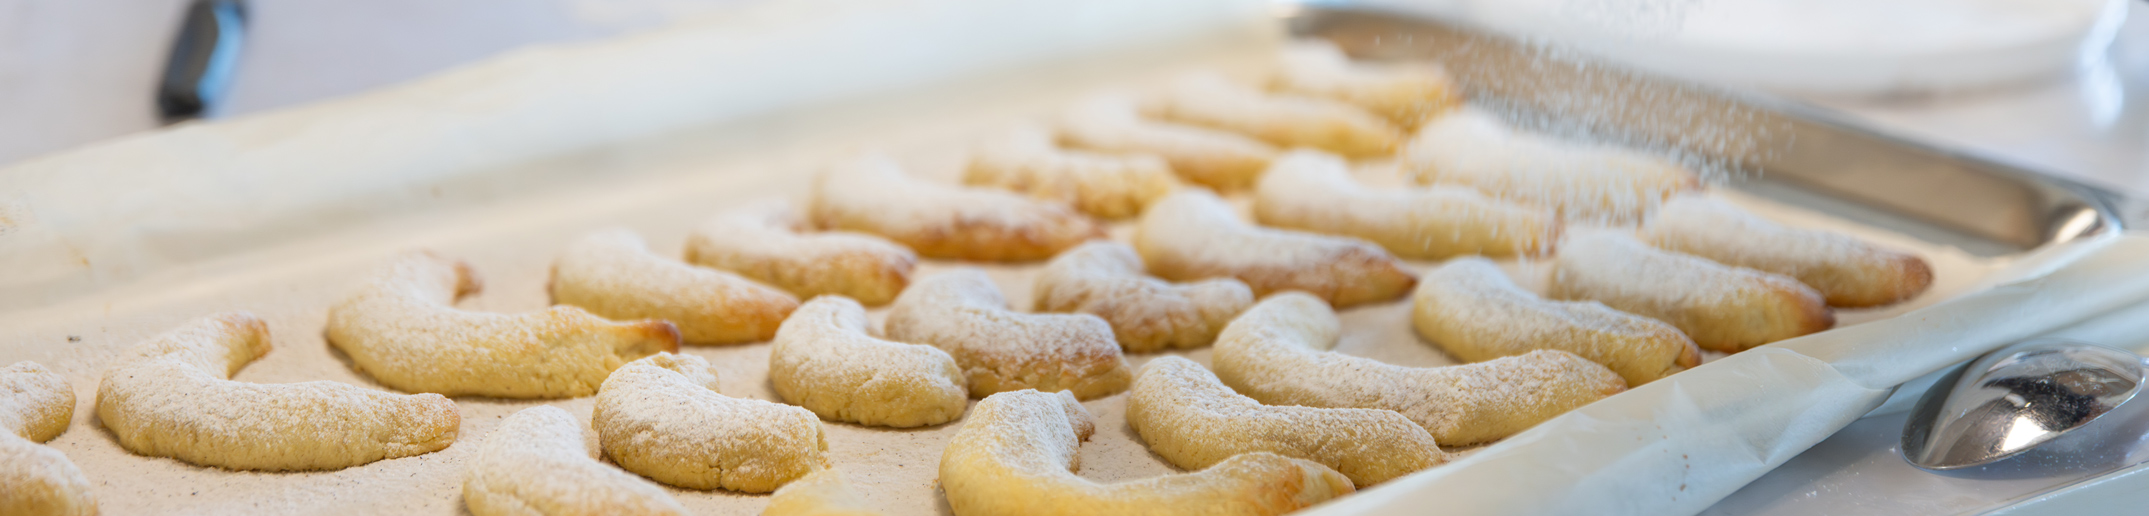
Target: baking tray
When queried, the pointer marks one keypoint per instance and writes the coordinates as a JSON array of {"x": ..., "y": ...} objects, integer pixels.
[
  {"x": 662, "y": 185},
  {"x": 1782, "y": 149}
]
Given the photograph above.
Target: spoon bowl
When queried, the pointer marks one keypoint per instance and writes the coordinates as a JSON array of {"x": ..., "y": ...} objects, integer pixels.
[{"x": 2016, "y": 398}]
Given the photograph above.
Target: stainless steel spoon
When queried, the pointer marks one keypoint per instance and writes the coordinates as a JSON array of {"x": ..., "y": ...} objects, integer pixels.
[{"x": 2015, "y": 398}]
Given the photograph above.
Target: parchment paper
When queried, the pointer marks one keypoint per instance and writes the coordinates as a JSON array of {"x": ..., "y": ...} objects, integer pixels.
[{"x": 504, "y": 163}]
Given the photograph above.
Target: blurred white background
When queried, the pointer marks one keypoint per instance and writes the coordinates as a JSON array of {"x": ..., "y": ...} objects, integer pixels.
[{"x": 74, "y": 72}]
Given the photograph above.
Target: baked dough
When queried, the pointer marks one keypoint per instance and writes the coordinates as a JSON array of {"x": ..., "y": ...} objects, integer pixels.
[
  {"x": 767, "y": 242},
  {"x": 1015, "y": 455},
  {"x": 1848, "y": 272},
  {"x": 1281, "y": 119},
  {"x": 36, "y": 480},
  {"x": 1217, "y": 159},
  {"x": 963, "y": 313},
  {"x": 1471, "y": 310},
  {"x": 1105, "y": 279},
  {"x": 822, "y": 493},
  {"x": 1406, "y": 92},
  {"x": 1194, "y": 235},
  {"x": 1191, "y": 419},
  {"x": 661, "y": 417},
  {"x": 1210, "y": 100},
  {"x": 1278, "y": 353},
  {"x": 537, "y": 463},
  {"x": 1583, "y": 181},
  {"x": 612, "y": 274},
  {"x": 172, "y": 396},
  {"x": 1313, "y": 191},
  {"x": 400, "y": 328},
  {"x": 1721, "y": 307},
  {"x": 1113, "y": 186},
  {"x": 824, "y": 360},
  {"x": 872, "y": 195}
]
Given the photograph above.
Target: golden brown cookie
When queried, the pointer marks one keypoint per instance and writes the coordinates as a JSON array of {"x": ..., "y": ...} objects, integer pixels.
[
  {"x": 871, "y": 194},
  {"x": 1105, "y": 279},
  {"x": 1190, "y": 418},
  {"x": 400, "y": 328},
  {"x": 1194, "y": 235},
  {"x": 1283, "y": 120},
  {"x": 963, "y": 313},
  {"x": 1849, "y": 272},
  {"x": 1721, "y": 307},
  {"x": 1583, "y": 181},
  {"x": 536, "y": 463},
  {"x": 1278, "y": 353},
  {"x": 1113, "y": 186},
  {"x": 36, "y": 480},
  {"x": 1015, "y": 455},
  {"x": 1407, "y": 92},
  {"x": 172, "y": 396},
  {"x": 1214, "y": 158},
  {"x": 1313, "y": 191},
  {"x": 662, "y": 418},
  {"x": 1471, "y": 310},
  {"x": 769, "y": 242},
  {"x": 612, "y": 274},
  {"x": 824, "y": 359}
]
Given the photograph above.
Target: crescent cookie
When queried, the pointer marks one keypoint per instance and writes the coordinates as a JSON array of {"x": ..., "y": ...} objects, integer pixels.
[
  {"x": 1193, "y": 420},
  {"x": 36, "y": 480},
  {"x": 1105, "y": 279},
  {"x": 1405, "y": 92},
  {"x": 963, "y": 313},
  {"x": 400, "y": 328},
  {"x": 172, "y": 396},
  {"x": 1111, "y": 186},
  {"x": 1283, "y": 120},
  {"x": 1848, "y": 272},
  {"x": 1722, "y": 307},
  {"x": 872, "y": 195},
  {"x": 1194, "y": 235},
  {"x": 612, "y": 274},
  {"x": 822, "y": 493},
  {"x": 537, "y": 463},
  {"x": 1313, "y": 191},
  {"x": 1216, "y": 159},
  {"x": 824, "y": 360},
  {"x": 1278, "y": 353},
  {"x": 1468, "y": 147},
  {"x": 1015, "y": 455},
  {"x": 661, "y": 417},
  {"x": 767, "y": 242},
  {"x": 1471, "y": 310}
]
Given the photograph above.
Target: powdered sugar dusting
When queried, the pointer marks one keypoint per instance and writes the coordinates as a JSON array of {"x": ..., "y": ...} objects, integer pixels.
[
  {"x": 1583, "y": 181},
  {"x": 35, "y": 406},
  {"x": 1406, "y": 92},
  {"x": 535, "y": 462}
]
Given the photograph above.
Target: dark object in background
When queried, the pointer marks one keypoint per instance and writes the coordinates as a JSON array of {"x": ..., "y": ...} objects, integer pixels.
[{"x": 203, "y": 59}]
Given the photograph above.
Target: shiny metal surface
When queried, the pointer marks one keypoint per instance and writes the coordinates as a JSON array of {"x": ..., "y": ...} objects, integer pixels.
[
  {"x": 2016, "y": 398},
  {"x": 1783, "y": 149}
]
